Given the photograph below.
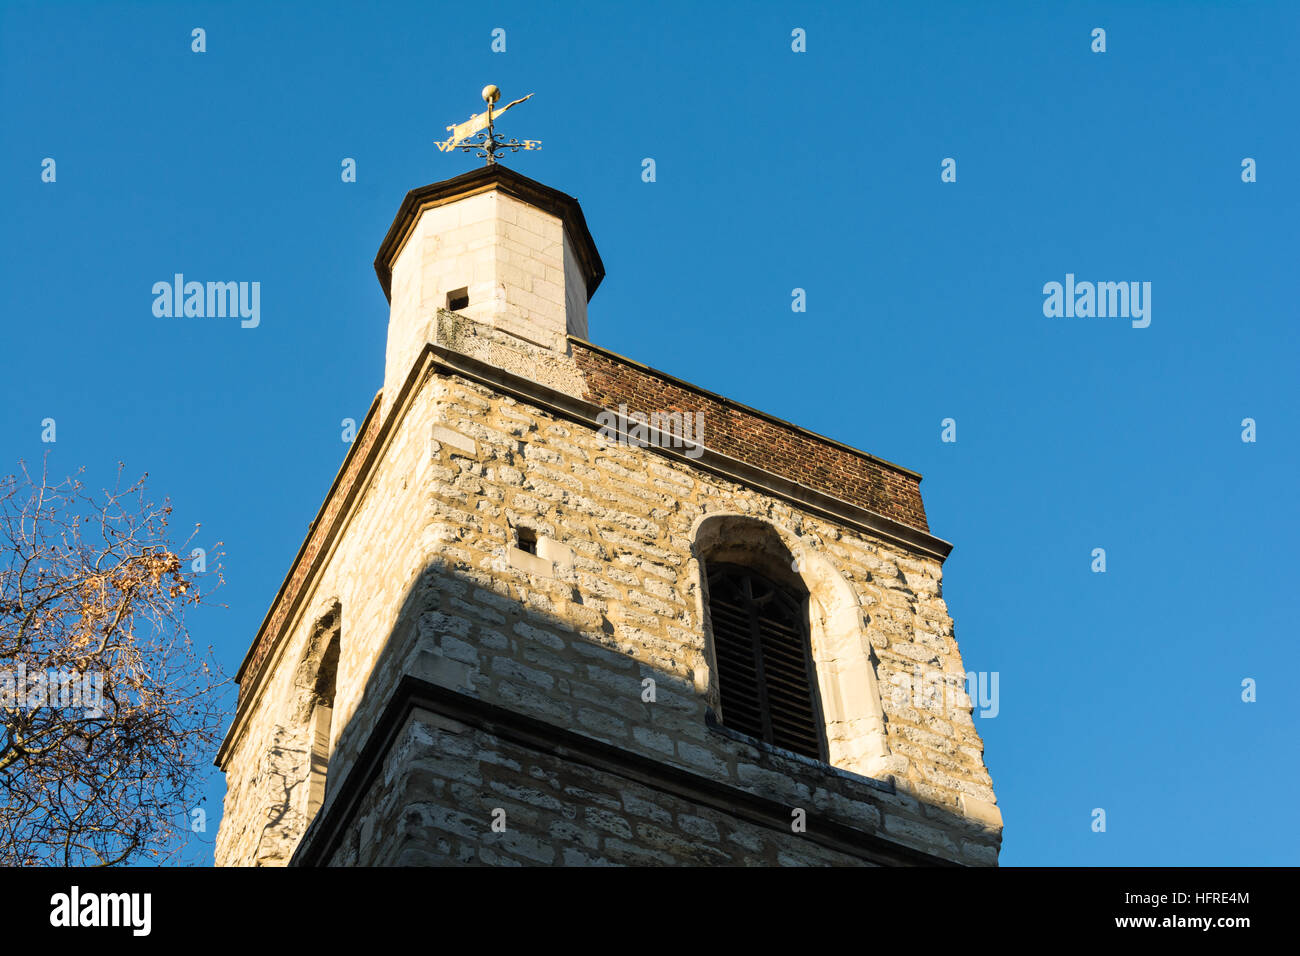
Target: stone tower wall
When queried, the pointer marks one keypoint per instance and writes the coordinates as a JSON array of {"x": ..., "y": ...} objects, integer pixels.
[{"x": 421, "y": 561}]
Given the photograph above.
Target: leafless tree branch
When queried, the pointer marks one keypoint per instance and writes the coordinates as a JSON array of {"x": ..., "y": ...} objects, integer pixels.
[{"x": 107, "y": 709}]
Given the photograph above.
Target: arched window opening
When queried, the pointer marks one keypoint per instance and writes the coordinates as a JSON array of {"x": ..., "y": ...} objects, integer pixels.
[{"x": 766, "y": 679}]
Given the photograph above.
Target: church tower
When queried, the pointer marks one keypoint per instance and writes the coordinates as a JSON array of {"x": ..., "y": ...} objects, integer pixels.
[{"x": 560, "y": 608}]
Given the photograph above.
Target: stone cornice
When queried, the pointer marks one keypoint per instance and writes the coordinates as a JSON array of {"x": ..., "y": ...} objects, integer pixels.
[
  {"x": 817, "y": 502},
  {"x": 485, "y": 179}
]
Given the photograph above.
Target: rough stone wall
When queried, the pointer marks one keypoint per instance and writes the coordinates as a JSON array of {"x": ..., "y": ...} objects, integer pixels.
[
  {"x": 369, "y": 570},
  {"x": 431, "y": 585},
  {"x": 445, "y": 783}
]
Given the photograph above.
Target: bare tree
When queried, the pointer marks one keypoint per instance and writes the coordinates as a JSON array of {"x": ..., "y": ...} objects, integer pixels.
[{"x": 107, "y": 707}]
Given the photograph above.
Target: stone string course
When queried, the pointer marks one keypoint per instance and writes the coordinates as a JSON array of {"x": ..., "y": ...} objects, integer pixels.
[{"x": 453, "y": 781}]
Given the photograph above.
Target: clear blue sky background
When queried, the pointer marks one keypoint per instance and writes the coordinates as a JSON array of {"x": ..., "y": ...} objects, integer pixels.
[{"x": 775, "y": 170}]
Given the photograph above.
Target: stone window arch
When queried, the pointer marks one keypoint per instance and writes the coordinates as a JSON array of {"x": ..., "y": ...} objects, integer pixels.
[{"x": 843, "y": 671}]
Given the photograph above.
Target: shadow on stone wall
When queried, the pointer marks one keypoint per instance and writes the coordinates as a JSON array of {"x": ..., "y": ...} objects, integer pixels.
[{"x": 522, "y": 730}]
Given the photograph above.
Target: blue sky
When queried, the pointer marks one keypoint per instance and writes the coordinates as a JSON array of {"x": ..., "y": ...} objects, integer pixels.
[{"x": 775, "y": 170}]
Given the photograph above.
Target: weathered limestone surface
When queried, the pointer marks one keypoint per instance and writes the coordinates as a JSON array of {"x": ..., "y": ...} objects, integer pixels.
[
  {"x": 429, "y": 583},
  {"x": 446, "y": 783}
]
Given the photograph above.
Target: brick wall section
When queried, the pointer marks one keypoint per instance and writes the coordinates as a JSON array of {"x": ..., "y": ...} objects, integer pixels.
[
  {"x": 268, "y": 636},
  {"x": 759, "y": 441}
]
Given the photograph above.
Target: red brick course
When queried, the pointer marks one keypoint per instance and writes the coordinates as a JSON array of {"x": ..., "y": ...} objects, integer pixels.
[
  {"x": 303, "y": 564},
  {"x": 758, "y": 440}
]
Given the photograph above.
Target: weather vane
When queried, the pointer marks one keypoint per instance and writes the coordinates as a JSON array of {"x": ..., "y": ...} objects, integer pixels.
[{"x": 476, "y": 133}]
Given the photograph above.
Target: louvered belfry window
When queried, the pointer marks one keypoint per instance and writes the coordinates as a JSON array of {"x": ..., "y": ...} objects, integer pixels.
[{"x": 765, "y": 673}]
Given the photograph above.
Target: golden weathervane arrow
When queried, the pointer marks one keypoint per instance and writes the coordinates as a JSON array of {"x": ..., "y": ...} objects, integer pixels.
[{"x": 477, "y": 132}]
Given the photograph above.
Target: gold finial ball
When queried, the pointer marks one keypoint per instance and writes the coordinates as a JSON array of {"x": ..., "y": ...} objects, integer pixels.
[{"x": 491, "y": 94}]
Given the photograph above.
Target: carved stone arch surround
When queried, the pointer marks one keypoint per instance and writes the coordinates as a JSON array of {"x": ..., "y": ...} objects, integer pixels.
[{"x": 841, "y": 651}]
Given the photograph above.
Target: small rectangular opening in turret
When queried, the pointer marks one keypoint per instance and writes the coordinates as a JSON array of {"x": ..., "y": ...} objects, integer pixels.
[{"x": 457, "y": 300}]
